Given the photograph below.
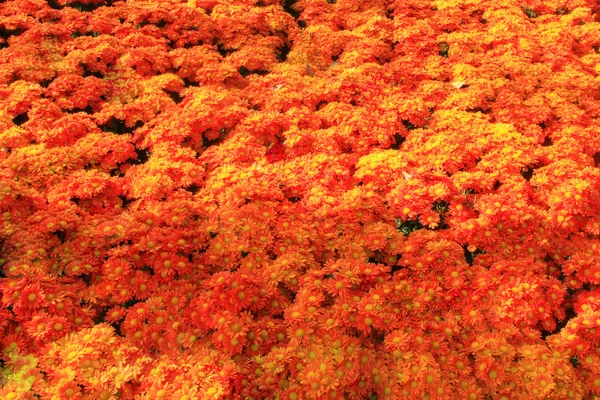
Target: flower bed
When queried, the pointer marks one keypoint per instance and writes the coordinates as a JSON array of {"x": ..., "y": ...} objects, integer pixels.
[{"x": 320, "y": 199}]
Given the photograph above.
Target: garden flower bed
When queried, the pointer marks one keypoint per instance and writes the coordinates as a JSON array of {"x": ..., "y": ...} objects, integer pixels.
[{"x": 313, "y": 199}]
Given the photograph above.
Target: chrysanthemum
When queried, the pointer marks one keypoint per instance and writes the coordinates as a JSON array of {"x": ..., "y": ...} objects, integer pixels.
[
  {"x": 299, "y": 332},
  {"x": 490, "y": 371},
  {"x": 115, "y": 314},
  {"x": 32, "y": 298},
  {"x": 39, "y": 327},
  {"x": 468, "y": 388},
  {"x": 317, "y": 379},
  {"x": 115, "y": 268}
]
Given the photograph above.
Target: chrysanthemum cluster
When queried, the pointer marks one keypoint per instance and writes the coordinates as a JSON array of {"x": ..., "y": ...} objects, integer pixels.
[{"x": 312, "y": 199}]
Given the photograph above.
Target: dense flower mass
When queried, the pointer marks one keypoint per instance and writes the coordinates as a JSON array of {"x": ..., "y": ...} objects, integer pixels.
[{"x": 310, "y": 199}]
